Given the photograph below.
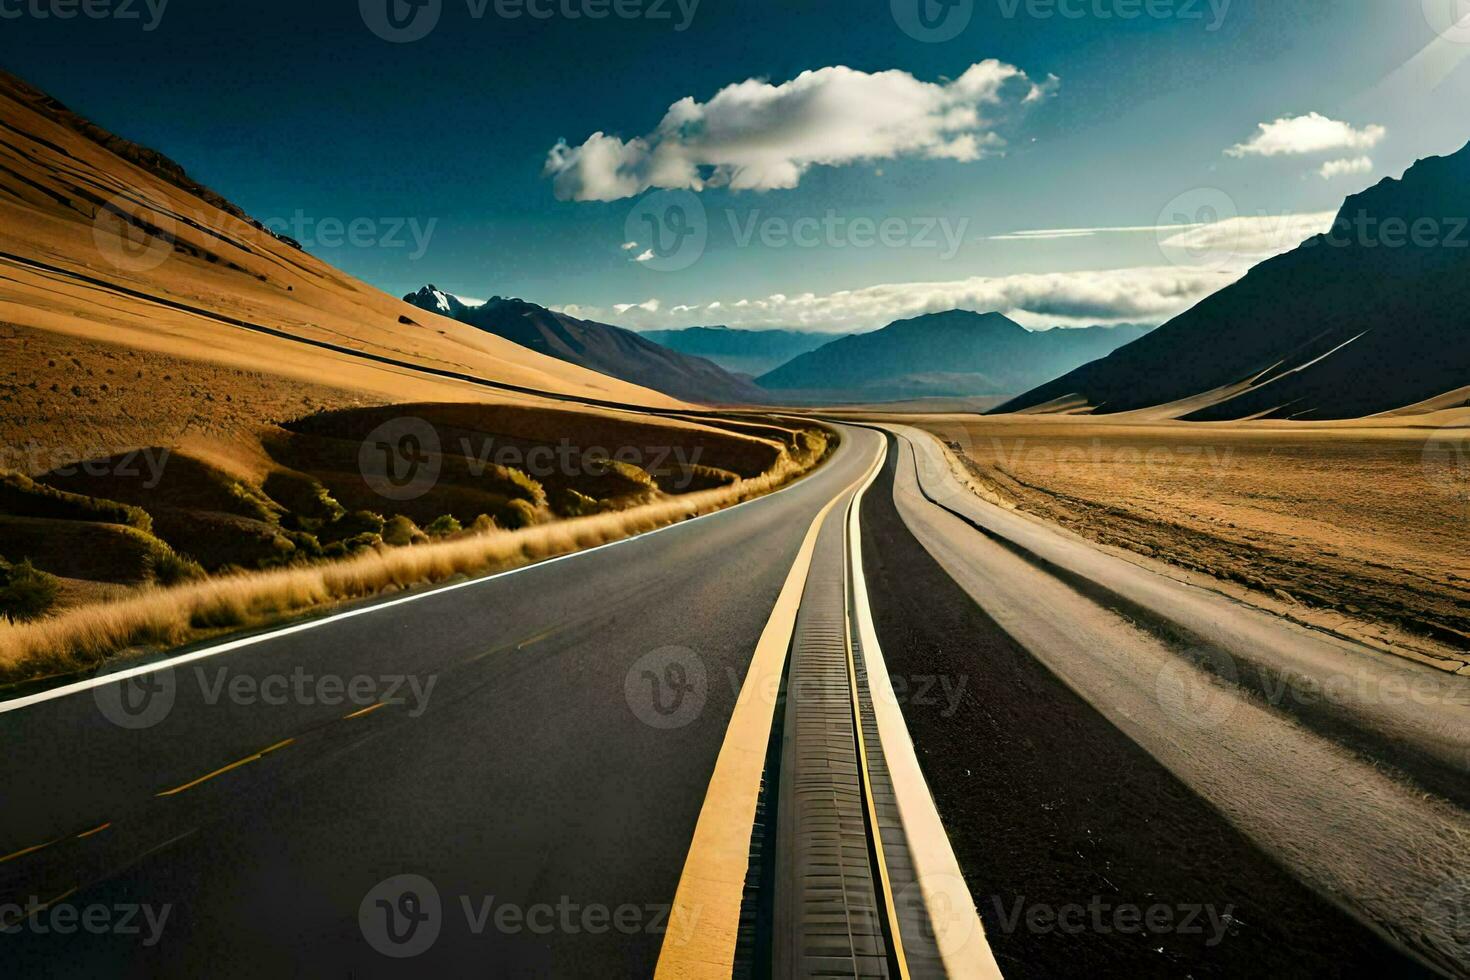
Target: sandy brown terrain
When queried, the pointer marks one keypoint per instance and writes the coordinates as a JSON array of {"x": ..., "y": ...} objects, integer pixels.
[
  {"x": 1359, "y": 527},
  {"x": 185, "y": 395},
  {"x": 96, "y": 247}
]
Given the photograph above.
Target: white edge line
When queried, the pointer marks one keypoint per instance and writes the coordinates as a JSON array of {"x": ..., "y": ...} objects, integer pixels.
[
  {"x": 948, "y": 900},
  {"x": 154, "y": 667}
]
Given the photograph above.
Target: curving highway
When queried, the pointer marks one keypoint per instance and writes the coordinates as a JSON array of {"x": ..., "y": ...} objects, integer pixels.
[{"x": 701, "y": 752}]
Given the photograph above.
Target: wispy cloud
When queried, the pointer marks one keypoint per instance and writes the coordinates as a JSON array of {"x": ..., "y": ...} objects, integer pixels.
[
  {"x": 754, "y": 135},
  {"x": 1049, "y": 234},
  {"x": 1207, "y": 257},
  {"x": 1244, "y": 241}
]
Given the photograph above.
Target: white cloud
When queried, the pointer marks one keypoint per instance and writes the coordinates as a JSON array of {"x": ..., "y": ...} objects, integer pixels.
[
  {"x": 648, "y": 306},
  {"x": 629, "y": 246},
  {"x": 1302, "y": 135},
  {"x": 753, "y": 135},
  {"x": 646, "y": 256},
  {"x": 1343, "y": 168},
  {"x": 1054, "y": 299},
  {"x": 1210, "y": 256}
]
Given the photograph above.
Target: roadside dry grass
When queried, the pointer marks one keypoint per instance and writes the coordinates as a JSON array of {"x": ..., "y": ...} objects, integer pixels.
[
  {"x": 164, "y": 617},
  {"x": 1359, "y": 527}
]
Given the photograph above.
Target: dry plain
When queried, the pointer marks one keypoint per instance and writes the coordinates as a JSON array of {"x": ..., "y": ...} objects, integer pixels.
[{"x": 1358, "y": 527}]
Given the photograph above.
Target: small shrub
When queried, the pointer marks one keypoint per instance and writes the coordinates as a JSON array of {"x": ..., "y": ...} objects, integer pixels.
[
  {"x": 26, "y": 592},
  {"x": 484, "y": 524},
  {"x": 171, "y": 568},
  {"x": 292, "y": 521},
  {"x": 24, "y": 497},
  {"x": 570, "y": 503},
  {"x": 444, "y": 526},
  {"x": 351, "y": 525},
  {"x": 362, "y": 542},
  {"x": 306, "y": 543},
  {"x": 519, "y": 514},
  {"x": 531, "y": 490},
  {"x": 400, "y": 531}
]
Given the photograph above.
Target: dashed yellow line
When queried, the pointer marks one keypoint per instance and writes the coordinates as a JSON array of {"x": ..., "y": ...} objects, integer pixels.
[
  {"x": 365, "y": 711},
  {"x": 41, "y": 847},
  {"x": 224, "y": 769},
  {"x": 59, "y": 898},
  {"x": 29, "y": 850},
  {"x": 517, "y": 646},
  {"x": 32, "y": 911}
]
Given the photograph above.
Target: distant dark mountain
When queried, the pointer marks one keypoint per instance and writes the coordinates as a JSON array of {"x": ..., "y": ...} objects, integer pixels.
[
  {"x": 435, "y": 300},
  {"x": 1371, "y": 317},
  {"x": 958, "y": 354},
  {"x": 600, "y": 347},
  {"x": 751, "y": 352}
]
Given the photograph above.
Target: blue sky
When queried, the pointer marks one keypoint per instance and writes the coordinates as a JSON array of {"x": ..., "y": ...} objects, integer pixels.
[{"x": 1089, "y": 120}]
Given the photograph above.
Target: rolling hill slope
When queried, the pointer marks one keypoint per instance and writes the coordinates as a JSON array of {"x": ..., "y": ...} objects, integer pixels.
[
  {"x": 1372, "y": 317},
  {"x": 595, "y": 346},
  {"x": 136, "y": 305}
]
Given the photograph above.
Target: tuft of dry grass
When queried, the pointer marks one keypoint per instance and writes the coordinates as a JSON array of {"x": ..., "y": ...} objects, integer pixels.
[{"x": 162, "y": 617}]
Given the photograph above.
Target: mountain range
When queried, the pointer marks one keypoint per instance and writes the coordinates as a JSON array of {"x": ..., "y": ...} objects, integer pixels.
[
  {"x": 1372, "y": 317},
  {"x": 750, "y": 352},
  {"x": 599, "y": 347},
  {"x": 941, "y": 355}
]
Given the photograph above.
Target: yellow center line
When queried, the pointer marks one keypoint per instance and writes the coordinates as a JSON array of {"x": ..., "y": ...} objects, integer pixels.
[
  {"x": 94, "y": 831},
  {"x": 221, "y": 771},
  {"x": 701, "y": 933},
  {"x": 365, "y": 711},
  {"x": 28, "y": 850},
  {"x": 41, "y": 847}
]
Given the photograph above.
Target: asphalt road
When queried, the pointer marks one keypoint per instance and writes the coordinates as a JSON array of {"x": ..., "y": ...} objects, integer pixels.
[
  {"x": 1065, "y": 828},
  {"x": 1339, "y": 765},
  {"x": 525, "y": 803},
  {"x": 543, "y": 784}
]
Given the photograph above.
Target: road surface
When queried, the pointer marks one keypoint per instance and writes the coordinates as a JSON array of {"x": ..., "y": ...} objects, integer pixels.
[{"x": 525, "y": 775}]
